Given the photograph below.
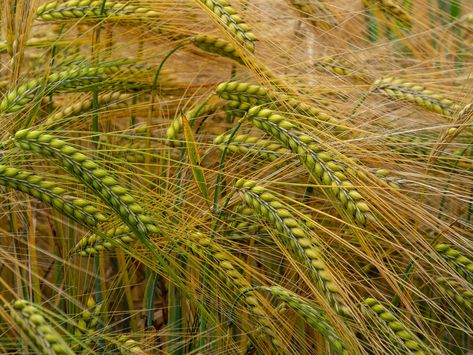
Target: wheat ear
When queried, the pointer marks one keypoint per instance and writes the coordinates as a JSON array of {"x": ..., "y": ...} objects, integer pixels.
[
  {"x": 321, "y": 164},
  {"x": 91, "y": 10},
  {"x": 92, "y": 175},
  {"x": 80, "y": 210},
  {"x": 313, "y": 9}
]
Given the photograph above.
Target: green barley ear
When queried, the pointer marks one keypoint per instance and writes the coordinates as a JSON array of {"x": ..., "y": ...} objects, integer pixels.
[
  {"x": 87, "y": 323},
  {"x": 111, "y": 101},
  {"x": 82, "y": 211},
  {"x": 35, "y": 326},
  {"x": 341, "y": 67},
  {"x": 245, "y": 144},
  {"x": 316, "y": 11},
  {"x": 390, "y": 8},
  {"x": 228, "y": 271},
  {"x": 314, "y": 316},
  {"x": 75, "y": 78},
  {"x": 92, "y": 10},
  {"x": 110, "y": 239},
  {"x": 128, "y": 346},
  {"x": 91, "y": 174},
  {"x": 457, "y": 292},
  {"x": 461, "y": 263},
  {"x": 297, "y": 239},
  {"x": 232, "y": 22},
  {"x": 249, "y": 95},
  {"x": 216, "y": 46},
  {"x": 205, "y": 108},
  {"x": 399, "y": 89},
  {"x": 320, "y": 163},
  {"x": 396, "y": 330}
]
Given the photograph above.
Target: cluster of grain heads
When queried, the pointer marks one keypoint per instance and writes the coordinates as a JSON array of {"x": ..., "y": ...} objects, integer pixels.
[
  {"x": 461, "y": 263},
  {"x": 399, "y": 89},
  {"x": 245, "y": 144},
  {"x": 391, "y": 9},
  {"x": 90, "y": 173},
  {"x": 248, "y": 95},
  {"x": 232, "y": 22},
  {"x": 314, "y": 316},
  {"x": 297, "y": 239},
  {"x": 216, "y": 45},
  {"x": 454, "y": 290},
  {"x": 80, "y": 210},
  {"x": 111, "y": 101},
  {"x": 91, "y": 10},
  {"x": 30, "y": 320},
  {"x": 75, "y": 78},
  {"x": 402, "y": 335},
  {"x": 228, "y": 271},
  {"x": 319, "y": 162},
  {"x": 112, "y": 238}
]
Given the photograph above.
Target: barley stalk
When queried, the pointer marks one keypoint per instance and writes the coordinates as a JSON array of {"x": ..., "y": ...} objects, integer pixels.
[
  {"x": 403, "y": 335},
  {"x": 297, "y": 239},
  {"x": 91, "y": 10},
  {"x": 321, "y": 164},
  {"x": 32, "y": 323},
  {"x": 92, "y": 175},
  {"x": 232, "y": 22},
  {"x": 80, "y": 210},
  {"x": 399, "y": 89}
]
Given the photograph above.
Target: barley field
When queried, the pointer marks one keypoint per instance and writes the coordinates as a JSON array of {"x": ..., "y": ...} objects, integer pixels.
[{"x": 236, "y": 177}]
